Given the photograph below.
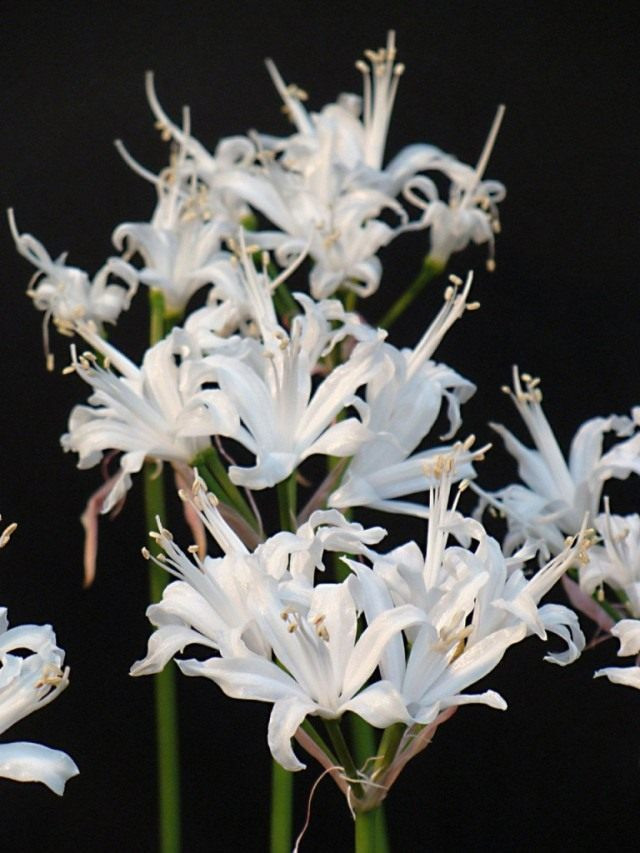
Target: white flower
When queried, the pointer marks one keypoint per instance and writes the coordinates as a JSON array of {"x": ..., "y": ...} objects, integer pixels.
[
  {"x": 403, "y": 400},
  {"x": 471, "y": 214},
  {"x": 150, "y": 412},
  {"x": 29, "y": 682},
  {"x": 559, "y": 493},
  {"x": 66, "y": 295},
  {"x": 476, "y": 604},
  {"x": 235, "y": 605},
  {"x": 315, "y": 212},
  {"x": 181, "y": 248},
  {"x": 357, "y": 128},
  {"x": 616, "y": 561},
  {"x": 283, "y": 419}
]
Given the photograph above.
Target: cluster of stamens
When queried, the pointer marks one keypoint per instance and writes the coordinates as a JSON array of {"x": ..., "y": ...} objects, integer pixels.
[{"x": 530, "y": 394}]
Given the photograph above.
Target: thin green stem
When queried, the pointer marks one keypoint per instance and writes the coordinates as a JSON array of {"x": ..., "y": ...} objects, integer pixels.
[
  {"x": 167, "y": 752},
  {"x": 367, "y": 828},
  {"x": 343, "y": 754},
  {"x": 215, "y": 475},
  {"x": 307, "y": 727},
  {"x": 430, "y": 269},
  {"x": 282, "y": 780},
  {"x": 609, "y": 609}
]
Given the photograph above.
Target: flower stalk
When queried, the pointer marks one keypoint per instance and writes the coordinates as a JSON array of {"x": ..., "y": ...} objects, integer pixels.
[
  {"x": 281, "y": 779},
  {"x": 167, "y": 750},
  {"x": 430, "y": 269}
]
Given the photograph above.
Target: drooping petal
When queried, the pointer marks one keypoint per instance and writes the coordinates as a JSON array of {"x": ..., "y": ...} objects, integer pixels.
[{"x": 31, "y": 762}]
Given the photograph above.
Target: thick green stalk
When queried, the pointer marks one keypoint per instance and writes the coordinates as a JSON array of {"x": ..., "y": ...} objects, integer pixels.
[
  {"x": 167, "y": 753},
  {"x": 367, "y": 829},
  {"x": 430, "y": 269},
  {"x": 281, "y": 779},
  {"x": 281, "y": 808}
]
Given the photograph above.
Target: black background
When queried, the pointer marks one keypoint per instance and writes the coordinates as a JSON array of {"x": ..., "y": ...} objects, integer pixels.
[{"x": 561, "y": 768}]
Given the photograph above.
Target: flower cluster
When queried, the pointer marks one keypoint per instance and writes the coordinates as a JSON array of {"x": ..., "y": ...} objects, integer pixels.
[
  {"x": 558, "y": 494},
  {"x": 278, "y": 237},
  {"x": 434, "y": 622}
]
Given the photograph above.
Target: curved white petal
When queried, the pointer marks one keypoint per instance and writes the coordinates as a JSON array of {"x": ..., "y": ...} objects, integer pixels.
[
  {"x": 286, "y": 717},
  {"x": 32, "y": 762},
  {"x": 629, "y": 675}
]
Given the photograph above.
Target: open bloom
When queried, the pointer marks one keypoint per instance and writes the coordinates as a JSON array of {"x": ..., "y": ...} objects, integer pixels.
[
  {"x": 31, "y": 676},
  {"x": 147, "y": 412},
  {"x": 616, "y": 563},
  {"x": 250, "y": 607},
  {"x": 29, "y": 682},
  {"x": 66, "y": 295},
  {"x": 403, "y": 400},
  {"x": 557, "y": 492},
  {"x": 283, "y": 415},
  {"x": 475, "y": 603},
  {"x": 471, "y": 214}
]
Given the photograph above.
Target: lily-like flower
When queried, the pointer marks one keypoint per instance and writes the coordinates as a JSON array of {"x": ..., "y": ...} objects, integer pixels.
[
  {"x": 181, "y": 246},
  {"x": 471, "y": 214},
  {"x": 66, "y": 295},
  {"x": 403, "y": 400},
  {"x": 476, "y": 604},
  {"x": 283, "y": 419},
  {"x": 147, "y": 412},
  {"x": 28, "y": 683},
  {"x": 615, "y": 561},
  {"x": 558, "y": 493},
  {"x": 235, "y": 605}
]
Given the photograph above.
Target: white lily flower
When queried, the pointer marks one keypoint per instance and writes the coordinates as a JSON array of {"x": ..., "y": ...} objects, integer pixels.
[
  {"x": 558, "y": 493},
  {"x": 357, "y": 128},
  {"x": 242, "y": 605},
  {"x": 66, "y": 295},
  {"x": 403, "y": 400},
  {"x": 181, "y": 246},
  {"x": 315, "y": 212},
  {"x": 616, "y": 561},
  {"x": 326, "y": 667},
  {"x": 150, "y": 412},
  {"x": 475, "y": 607},
  {"x": 471, "y": 214},
  {"x": 282, "y": 418},
  {"x": 29, "y": 682}
]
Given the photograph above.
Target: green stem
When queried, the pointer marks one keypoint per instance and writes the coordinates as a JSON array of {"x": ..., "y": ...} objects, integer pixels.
[
  {"x": 609, "y": 609},
  {"x": 281, "y": 808},
  {"x": 215, "y": 475},
  {"x": 367, "y": 828},
  {"x": 167, "y": 754},
  {"x": 282, "y": 780},
  {"x": 307, "y": 727},
  {"x": 287, "y": 502},
  {"x": 430, "y": 269},
  {"x": 343, "y": 754},
  {"x": 363, "y": 739}
]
